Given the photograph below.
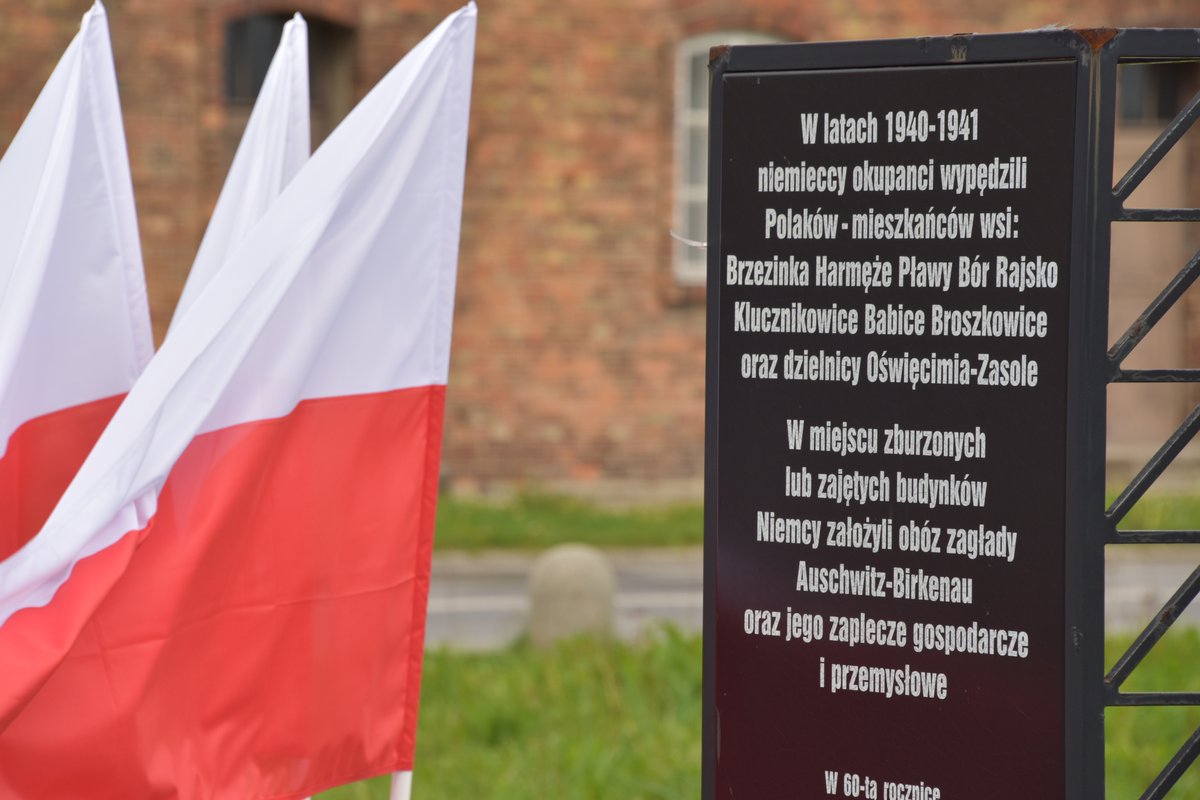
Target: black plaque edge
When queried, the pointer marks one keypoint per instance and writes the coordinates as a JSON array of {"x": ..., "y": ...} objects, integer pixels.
[
  {"x": 967, "y": 48},
  {"x": 1086, "y": 421},
  {"x": 709, "y": 719}
]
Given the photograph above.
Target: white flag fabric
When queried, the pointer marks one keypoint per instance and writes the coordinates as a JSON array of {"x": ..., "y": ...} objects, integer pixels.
[
  {"x": 74, "y": 320},
  {"x": 229, "y": 600},
  {"x": 274, "y": 146}
]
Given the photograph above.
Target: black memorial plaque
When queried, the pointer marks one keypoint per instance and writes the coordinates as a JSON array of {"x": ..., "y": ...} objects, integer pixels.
[{"x": 891, "y": 339}]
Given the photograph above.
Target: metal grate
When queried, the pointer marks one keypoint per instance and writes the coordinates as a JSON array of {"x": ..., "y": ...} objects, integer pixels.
[{"x": 1129, "y": 47}]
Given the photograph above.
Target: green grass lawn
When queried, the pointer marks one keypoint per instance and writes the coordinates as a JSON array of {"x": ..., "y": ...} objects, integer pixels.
[
  {"x": 588, "y": 721},
  {"x": 585, "y": 720},
  {"x": 536, "y": 521},
  {"x": 1141, "y": 740},
  {"x": 1165, "y": 511}
]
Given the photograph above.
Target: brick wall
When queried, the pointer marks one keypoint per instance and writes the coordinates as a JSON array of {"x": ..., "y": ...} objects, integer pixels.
[{"x": 577, "y": 359}]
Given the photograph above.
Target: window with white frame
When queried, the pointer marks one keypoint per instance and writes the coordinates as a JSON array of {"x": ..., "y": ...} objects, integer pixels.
[{"x": 691, "y": 148}]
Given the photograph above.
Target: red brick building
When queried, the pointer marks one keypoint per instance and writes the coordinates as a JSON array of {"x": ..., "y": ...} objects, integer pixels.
[{"x": 579, "y": 340}]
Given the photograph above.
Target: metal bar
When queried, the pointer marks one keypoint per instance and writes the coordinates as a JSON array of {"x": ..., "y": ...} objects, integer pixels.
[
  {"x": 1170, "y": 59},
  {"x": 1174, "y": 769},
  {"x": 1157, "y": 215},
  {"x": 1142, "y": 699},
  {"x": 924, "y": 51},
  {"x": 1084, "y": 586},
  {"x": 1153, "y": 537},
  {"x": 1154, "y": 467},
  {"x": 1162, "y": 44},
  {"x": 1149, "y": 637},
  {"x": 1155, "y": 311},
  {"x": 1154, "y": 154},
  {"x": 1156, "y": 376}
]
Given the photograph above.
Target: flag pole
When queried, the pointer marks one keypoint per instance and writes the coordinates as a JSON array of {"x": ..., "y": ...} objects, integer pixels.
[{"x": 401, "y": 786}]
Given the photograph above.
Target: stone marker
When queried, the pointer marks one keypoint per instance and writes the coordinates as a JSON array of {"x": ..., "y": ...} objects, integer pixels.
[{"x": 571, "y": 589}]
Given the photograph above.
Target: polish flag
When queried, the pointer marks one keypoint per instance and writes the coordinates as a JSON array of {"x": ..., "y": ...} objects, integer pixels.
[
  {"x": 229, "y": 600},
  {"x": 274, "y": 146},
  {"x": 74, "y": 322}
]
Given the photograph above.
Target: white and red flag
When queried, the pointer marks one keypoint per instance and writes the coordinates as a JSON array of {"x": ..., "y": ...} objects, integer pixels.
[
  {"x": 229, "y": 600},
  {"x": 274, "y": 146},
  {"x": 74, "y": 322}
]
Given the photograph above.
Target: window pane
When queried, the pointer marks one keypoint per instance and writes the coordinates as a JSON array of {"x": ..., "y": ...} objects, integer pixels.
[
  {"x": 690, "y": 264},
  {"x": 1132, "y": 83},
  {"x": 237, "y": 69},
  {"x": 250, "y": 43},
  {"x": 697, "y": 172},
  {"x": 698, "y": 80},
  {"x": 697, "y": 221},
  {"x": 263, "y": 34},
  {"x": 1170, "y": 78},
  {"x": 331, "y": 50}
]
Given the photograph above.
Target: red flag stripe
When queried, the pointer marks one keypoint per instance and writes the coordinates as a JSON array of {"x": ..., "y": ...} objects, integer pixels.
[
  {"x": 42, "y": 457},
  {"x": 245, "y": 582}
]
